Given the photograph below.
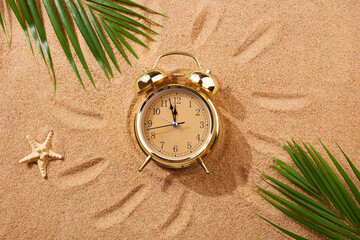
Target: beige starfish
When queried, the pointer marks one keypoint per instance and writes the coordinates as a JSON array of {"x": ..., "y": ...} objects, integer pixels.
[{"x": 41, "y": 153}]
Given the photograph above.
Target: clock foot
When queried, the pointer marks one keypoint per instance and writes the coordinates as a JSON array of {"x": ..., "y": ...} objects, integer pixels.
[
  {"x": 148, "y": 159},
  {"x": 203, "y": 165}
]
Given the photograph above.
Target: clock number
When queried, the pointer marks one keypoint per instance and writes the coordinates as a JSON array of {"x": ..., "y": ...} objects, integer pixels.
[
  {"x": 198, "y": 137},
  {"x": 152, "y": 135},
  {"x": 163, "y": 103},
  {"x": 202, "y": 124},
  {"x": 190, "y": 104},
  {"x": 175, "y": 148},
  {"x": 162, "y": 144},
  {"x": 156, "y": 111},
  {"x": 189, "y": 145},
  {"x": 177, "y": 100},
  {"x": 149, "y": 123},
  {"x": 197, "y": 112}
]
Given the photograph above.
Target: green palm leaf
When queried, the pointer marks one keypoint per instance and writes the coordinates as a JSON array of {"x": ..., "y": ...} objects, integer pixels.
[
  {"x": 16, "y": 11},
  {"x": 100, "y": 22},
  {"x": 324, "y": 203},
  {"x": 114, "y": 39}
]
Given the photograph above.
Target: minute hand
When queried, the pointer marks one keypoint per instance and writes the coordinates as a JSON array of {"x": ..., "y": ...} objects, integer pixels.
[
  {"x": 175, "y": 113},
  {"x": 164, "y": 126}
]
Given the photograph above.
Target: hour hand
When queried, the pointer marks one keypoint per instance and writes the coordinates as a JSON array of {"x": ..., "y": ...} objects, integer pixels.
[{"x": 171, "y": 106}]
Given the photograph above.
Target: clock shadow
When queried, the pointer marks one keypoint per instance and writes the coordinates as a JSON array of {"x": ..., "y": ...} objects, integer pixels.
[{"x": 229, "y": 162}]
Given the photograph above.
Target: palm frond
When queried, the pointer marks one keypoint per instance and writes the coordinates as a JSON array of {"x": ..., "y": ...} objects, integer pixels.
[
  {"x": 293, "y": 235},
  {"x": 100, "y": 23},
  {"x": 16, "y": 11},
  {"x": 323, "y": 203}
]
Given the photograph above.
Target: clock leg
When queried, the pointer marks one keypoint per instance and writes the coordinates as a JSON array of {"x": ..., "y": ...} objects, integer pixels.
[
  {"x": 148, "y": 159},
  {"x": 203, "y": 165}
]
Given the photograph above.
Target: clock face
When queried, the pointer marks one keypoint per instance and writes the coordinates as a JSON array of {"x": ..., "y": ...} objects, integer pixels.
[{"x": 175, "y": 123}]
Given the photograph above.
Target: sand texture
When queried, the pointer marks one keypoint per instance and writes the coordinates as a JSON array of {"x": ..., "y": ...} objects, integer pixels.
[{"x": 287, "y": 70}]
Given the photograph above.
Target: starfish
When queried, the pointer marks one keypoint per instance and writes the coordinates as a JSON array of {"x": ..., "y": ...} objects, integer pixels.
[{"x": 41, "y": 153}]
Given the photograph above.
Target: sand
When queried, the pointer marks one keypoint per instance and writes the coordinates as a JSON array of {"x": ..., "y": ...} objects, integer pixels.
[{"x": 287, "y": 70}]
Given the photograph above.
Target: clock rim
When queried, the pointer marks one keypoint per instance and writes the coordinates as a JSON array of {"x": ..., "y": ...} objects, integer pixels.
[{"x": 213, "y": 135}]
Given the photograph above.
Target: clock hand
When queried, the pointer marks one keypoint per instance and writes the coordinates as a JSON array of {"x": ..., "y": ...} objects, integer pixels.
[
  {"x": 168, "y": 120},
  {"x": 172, "y": 110},
  {"x": 171, "y": 106},
  {"x": 175, "y": 113},
  {"x": 169, "y": 125}
]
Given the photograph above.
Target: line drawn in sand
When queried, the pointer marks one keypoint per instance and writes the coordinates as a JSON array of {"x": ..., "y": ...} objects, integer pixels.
[
  {"x": 179, "y": 218},
  {"x": 122, "y": 209},
  {"x": 207, "y": 19},
  {"x": 83, "y": 174},
  {"x": 281, "y": 102},
  {"x": 260, "y": 40},
  {"x": 75, "y": 118}
]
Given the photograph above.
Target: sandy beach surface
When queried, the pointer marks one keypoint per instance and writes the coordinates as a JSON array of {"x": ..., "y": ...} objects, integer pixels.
[{"x": 287, "y": 70}]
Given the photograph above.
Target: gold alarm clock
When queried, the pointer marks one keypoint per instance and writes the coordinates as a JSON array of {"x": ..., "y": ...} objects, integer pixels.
[{"x": 177, "y": 124}]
